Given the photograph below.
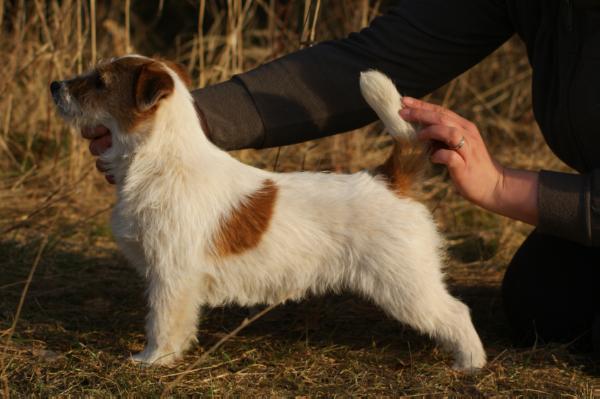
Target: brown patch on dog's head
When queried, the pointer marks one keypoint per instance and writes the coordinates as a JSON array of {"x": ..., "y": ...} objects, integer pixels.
[
  {"x": 180, "y": 70},
  {"x": 245, "y": 226},
  {"x": 127, "y": 89},
  {"x": 152, "y": 84}
]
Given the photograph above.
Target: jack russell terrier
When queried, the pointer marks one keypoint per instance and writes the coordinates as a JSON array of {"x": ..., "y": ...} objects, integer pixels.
[{"x": 205, "y": 229}]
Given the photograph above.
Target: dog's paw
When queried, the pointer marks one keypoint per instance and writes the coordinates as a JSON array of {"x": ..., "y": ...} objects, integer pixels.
[
  {"x": 470, "y": 364},
  {"x": 154, "y": 358}
]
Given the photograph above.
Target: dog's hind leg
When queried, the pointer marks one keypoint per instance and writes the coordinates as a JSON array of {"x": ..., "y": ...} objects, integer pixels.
[
  {"x": 448, "y": 321},
  {"x": 419, "y": 298},
  {"x": 171, "y": 323}
]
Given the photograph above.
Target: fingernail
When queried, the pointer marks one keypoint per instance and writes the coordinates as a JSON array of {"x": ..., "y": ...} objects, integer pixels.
[
  {"x": 408, "y": 100},
  {"x": 405, "y": 112}
]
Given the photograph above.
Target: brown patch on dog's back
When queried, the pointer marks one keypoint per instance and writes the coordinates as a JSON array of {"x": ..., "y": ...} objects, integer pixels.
[
  {"x": 245, "y": 226},
  {"x": 404, "y": 168}
]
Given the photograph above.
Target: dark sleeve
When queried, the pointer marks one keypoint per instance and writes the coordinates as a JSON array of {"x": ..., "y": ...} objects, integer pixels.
[
  {"x": 421, "y": 44},
  {"x": 569, "y": 206}
]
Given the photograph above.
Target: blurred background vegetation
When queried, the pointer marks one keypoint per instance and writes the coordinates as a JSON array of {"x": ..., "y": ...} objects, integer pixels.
[
  {"x": 70, "y": 310},
  {"x": 46, "y": 40}
]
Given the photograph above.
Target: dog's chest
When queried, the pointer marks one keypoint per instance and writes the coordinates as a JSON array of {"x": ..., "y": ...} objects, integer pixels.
[{"x": 126, "y": 230}]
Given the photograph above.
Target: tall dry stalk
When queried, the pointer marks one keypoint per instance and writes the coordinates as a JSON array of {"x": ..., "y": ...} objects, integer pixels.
[
  {"x": 79, "y": 36},
  {"x": 201, "y": 51},
  {"x": 364, "y": 13},
  {"x": 313, "y": 29},
  {"x": 93, "y": 29},
  {"x": 127, "y": 11},
  {"x": 272, "y": 24},
  {"x": 305, "y": 32}
]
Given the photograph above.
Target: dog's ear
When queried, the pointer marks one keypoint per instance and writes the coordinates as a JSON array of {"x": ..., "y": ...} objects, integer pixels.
[
  {"x": 153, "y": 84},
  {"x": 181, "y": 71}
]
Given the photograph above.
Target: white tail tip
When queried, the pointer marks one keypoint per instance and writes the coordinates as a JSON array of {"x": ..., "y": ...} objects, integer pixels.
[{"x": 381, "y": 94}]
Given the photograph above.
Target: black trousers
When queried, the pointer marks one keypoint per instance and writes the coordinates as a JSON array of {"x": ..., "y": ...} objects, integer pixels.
[{"x": 551, "y": 293}]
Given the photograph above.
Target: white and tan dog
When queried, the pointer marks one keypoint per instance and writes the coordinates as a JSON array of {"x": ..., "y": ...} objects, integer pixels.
[{"x": 205, "y": 229}]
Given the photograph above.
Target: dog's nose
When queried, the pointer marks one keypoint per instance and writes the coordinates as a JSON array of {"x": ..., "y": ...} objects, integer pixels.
[{"x": 54, "y": 87}]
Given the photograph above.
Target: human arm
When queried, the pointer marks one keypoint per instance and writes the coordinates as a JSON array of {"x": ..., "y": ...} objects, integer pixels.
[
  {"x": 569, "y": 206},
  {"x": 314, "y": 92}
]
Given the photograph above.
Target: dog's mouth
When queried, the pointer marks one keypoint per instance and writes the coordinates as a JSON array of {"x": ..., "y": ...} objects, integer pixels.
[{"x": 67, "y": 106}]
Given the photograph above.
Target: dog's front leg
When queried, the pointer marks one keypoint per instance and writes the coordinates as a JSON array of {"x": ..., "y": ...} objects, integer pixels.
[{"x": 171, "y": 323}]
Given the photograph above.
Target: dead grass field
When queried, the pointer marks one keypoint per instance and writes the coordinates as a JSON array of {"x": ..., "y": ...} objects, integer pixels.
[{"x": 71, "y": 310}]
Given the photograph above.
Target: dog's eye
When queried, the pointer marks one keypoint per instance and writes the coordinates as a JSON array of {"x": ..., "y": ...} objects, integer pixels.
[{"x": 99, "y": 82}]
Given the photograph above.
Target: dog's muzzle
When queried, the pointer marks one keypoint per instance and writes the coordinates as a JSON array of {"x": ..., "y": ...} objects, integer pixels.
[
  {"x": 56, "y": 89},
  {"x": 63, "y": 100}
]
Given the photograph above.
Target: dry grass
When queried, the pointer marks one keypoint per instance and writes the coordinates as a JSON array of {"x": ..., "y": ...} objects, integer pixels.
[{"x": 70, "y": 309}]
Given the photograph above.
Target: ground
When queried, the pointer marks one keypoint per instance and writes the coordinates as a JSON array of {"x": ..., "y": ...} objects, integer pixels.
[{"x": 83, "y": 315}]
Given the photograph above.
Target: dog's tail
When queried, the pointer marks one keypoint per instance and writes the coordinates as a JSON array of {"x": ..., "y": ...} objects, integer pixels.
[{"x": 406, "y": 164}]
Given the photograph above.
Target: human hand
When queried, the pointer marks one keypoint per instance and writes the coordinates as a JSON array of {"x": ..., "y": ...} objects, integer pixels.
[
  {"x": 459, "y": 146},
  {"x": 477, "y": 176},
  {"x": 101, "y": 140}
]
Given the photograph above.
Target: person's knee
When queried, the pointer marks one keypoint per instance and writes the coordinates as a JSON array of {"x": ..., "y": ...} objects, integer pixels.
[{"x": 545, "y": 291}]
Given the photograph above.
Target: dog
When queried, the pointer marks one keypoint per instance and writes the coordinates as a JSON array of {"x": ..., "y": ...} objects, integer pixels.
[{"x": 204, "y": 229}]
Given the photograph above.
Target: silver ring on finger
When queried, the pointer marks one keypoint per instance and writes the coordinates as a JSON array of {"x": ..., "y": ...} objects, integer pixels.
[{"x": 460, "y": 144}]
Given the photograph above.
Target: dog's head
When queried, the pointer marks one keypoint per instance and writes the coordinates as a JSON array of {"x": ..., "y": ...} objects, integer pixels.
[{"x": 121, "y": 94}]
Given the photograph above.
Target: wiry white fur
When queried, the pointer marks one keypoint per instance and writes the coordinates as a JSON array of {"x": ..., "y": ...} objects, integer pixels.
[
  {"x": 381, "y": 94},
  {"x": 329, "y": 232}
]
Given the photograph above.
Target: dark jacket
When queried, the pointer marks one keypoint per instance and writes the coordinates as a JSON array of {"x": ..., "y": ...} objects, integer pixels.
[{"x": 423, "y": 44}]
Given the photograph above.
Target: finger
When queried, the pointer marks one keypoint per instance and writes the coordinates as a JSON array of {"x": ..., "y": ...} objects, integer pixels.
[
  {"x": 419, "y": 104},
  {"x": 94, "y": 132},
  {"x": 429, "y": 117},
  {"x": 416, "y": 103},
  {"x": 450, "y": 136},
  {"x": 449, "y": 158},
  {"x": 101, "y": 144},
  {"x": 413, "y": 103},
  {"x": 102, "y": 166}
]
